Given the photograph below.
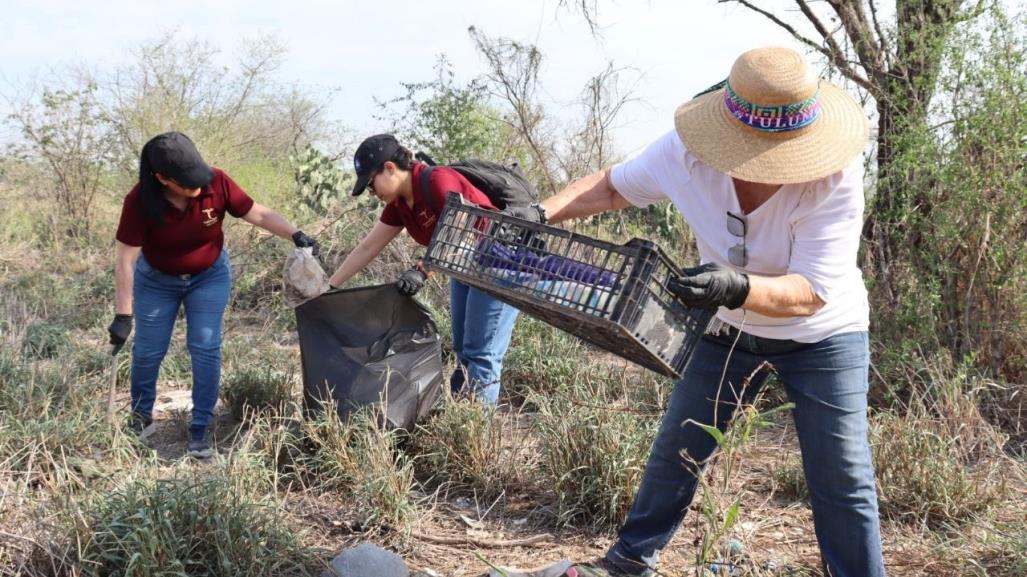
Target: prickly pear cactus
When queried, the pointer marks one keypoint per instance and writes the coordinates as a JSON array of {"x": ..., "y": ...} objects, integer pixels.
[{"x": 319, "y": 182}]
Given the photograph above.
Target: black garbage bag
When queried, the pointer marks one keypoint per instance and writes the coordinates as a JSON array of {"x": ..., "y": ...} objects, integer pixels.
[{"x": 368, "y": 345}]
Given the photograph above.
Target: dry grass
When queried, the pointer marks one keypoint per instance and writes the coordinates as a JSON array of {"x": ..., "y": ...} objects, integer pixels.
[
  {"x": 465, "y": 447},
  {"x": 562, "y": 461}
]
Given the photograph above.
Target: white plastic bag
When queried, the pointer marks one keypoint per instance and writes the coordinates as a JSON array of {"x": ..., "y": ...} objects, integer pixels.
[{"x": 304, "y": 277}]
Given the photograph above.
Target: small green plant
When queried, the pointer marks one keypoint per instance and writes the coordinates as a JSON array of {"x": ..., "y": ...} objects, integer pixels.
[
  {"x": 45, "y": 340},
  {"x": 259, "y": 388},
  {"x": 90, "y": 361},
  {"x": 202, "y": 527},
  {"x": 40, "y": 390},
  {"x": 181, "y": 418},
  {"x": 791, "y": 480},
  {"x": 716, "y": 520}
]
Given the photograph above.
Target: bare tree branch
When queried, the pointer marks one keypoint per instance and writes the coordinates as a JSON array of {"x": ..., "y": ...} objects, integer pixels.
[
  {"x": 513, "y": 69},
  {"x": 881, "y": 38},
  {"x": 589, "y": 11},
  {"x": 602, "y": 98},
  {"x": 860, "y": 33},
  {"x": 834, "y": 53},
  {"x": 781, "y": 23}
]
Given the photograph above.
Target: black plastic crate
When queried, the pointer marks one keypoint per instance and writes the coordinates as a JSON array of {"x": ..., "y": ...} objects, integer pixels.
[{"x": 613, "y": 296}]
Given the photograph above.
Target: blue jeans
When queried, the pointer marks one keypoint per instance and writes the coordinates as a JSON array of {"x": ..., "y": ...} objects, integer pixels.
[
  {"x": 827, "y": 381},
  {"x": 157, "y": 298},
  {"x": 482, "y": 327}
]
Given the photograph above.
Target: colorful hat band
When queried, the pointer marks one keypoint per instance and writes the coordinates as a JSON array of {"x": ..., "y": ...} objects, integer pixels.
[{"x": 783, "y": 118}]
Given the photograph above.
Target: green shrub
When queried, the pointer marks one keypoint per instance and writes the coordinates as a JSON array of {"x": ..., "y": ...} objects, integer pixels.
[
  {"x": 90, "y": 361},
  {"x": 45, "y": 340},
  {"x": 35, "y": 391},
  {"x": 201, "y": 527},
  {"x": 259, "y": 388},
  {"x": 463, "y": 444},
  {"x": 13, "y": 377},
  {"x": 955, "y": 279},
  {"x": 52, "y": 420},
  {"x": 257, "y": 278},
  {"x": 1004, "y": 553},
  {"x": 362, "y": 459},
  {"x": 320, "y": 185},
  {"x": 593, "y": 454},
  {"x": 923, "y": 474},
  {"x": 541, "y": 359}
]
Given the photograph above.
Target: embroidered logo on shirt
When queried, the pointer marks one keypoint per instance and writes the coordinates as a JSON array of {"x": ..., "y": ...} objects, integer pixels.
[
  {"x": 426, "y": 217},
  {"x": 211, "y": 219}
]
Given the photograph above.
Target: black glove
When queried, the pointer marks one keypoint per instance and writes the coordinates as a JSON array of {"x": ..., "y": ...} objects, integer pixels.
[
  {"x": 411, "y": 281},
  {"x": 301, "y": 240},
  {"x": 119, "y": 330},
  {"x": 710, "y": 286}
]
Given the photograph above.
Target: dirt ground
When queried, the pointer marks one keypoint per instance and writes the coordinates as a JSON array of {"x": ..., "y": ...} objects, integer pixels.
[{"x": 459, "y": 537}]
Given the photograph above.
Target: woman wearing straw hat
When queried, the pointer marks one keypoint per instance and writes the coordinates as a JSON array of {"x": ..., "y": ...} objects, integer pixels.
[{"x": 766, "y": 169}]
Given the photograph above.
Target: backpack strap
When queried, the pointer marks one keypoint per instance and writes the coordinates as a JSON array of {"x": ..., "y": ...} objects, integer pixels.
[{"x": 425, "y": 174}]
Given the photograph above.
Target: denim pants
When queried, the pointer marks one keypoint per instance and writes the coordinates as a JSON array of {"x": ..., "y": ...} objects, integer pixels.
[
  {"x": 827, "y": 382},
  {"x": 482, "y": 327},
  {"x": 157, "y": 298}
]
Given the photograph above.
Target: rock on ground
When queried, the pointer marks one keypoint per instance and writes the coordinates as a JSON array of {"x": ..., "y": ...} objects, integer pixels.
[{"x": 367, "y": 560}]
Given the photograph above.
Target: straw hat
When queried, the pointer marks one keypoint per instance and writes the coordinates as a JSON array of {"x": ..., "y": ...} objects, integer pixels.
[{"x": 773, "y": 121}]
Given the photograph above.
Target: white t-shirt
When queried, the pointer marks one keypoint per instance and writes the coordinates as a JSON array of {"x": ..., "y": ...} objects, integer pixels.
[{"x": 812, "y": 229}]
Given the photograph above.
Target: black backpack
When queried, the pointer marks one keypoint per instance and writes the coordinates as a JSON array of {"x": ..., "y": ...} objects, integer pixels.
[{"x": 504, "y": 185}]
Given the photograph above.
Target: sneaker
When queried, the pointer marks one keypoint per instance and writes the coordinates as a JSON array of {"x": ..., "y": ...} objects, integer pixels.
[
  {"x": 140, "y": 426},
  {"x": 602, "y": 567},
  {"x": 199, "y": 446}
]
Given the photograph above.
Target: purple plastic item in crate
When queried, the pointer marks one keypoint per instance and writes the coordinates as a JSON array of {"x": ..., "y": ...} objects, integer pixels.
[
  {"x": 495, "y": 254},
  {"x": 614, "y": 296}
]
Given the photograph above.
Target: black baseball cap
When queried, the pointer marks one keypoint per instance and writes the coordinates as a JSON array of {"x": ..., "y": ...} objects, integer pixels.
[
  {"x": 174, "y": 156},
  {"x": 370, "y": 156}
]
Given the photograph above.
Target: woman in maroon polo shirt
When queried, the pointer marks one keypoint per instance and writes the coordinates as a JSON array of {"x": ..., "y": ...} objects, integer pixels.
[
  {"x": 482, "y": 325},
  {"x": 173, "y": 217}
]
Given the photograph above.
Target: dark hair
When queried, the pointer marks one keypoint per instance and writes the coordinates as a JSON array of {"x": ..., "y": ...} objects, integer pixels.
[
  {"x": 404, "y": 159},
  {"x": 151, "y": 191}
]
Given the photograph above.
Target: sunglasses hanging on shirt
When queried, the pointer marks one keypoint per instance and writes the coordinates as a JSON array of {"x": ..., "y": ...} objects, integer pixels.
[{"x": 738, "y": 225}]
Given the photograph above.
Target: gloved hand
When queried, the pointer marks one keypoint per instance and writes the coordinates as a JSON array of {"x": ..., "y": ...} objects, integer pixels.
[
  {"x": 411, "y": 281},
  {"x": 710, "y": 286},
  {"x": 301, "y": 240},
  {"x": 119, "y": 330}
]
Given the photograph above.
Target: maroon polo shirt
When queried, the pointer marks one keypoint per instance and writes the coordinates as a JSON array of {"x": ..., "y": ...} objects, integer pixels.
[
  {"x": 420, "y": 219},
  {"x": 187, "y": 241}
]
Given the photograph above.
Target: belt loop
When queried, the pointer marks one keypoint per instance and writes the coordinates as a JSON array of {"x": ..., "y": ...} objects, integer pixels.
[{"x": 717, "y": 327}]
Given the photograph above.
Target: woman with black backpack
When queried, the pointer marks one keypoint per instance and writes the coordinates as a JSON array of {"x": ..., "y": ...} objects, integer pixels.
[{"x": 482, "y": 325}]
